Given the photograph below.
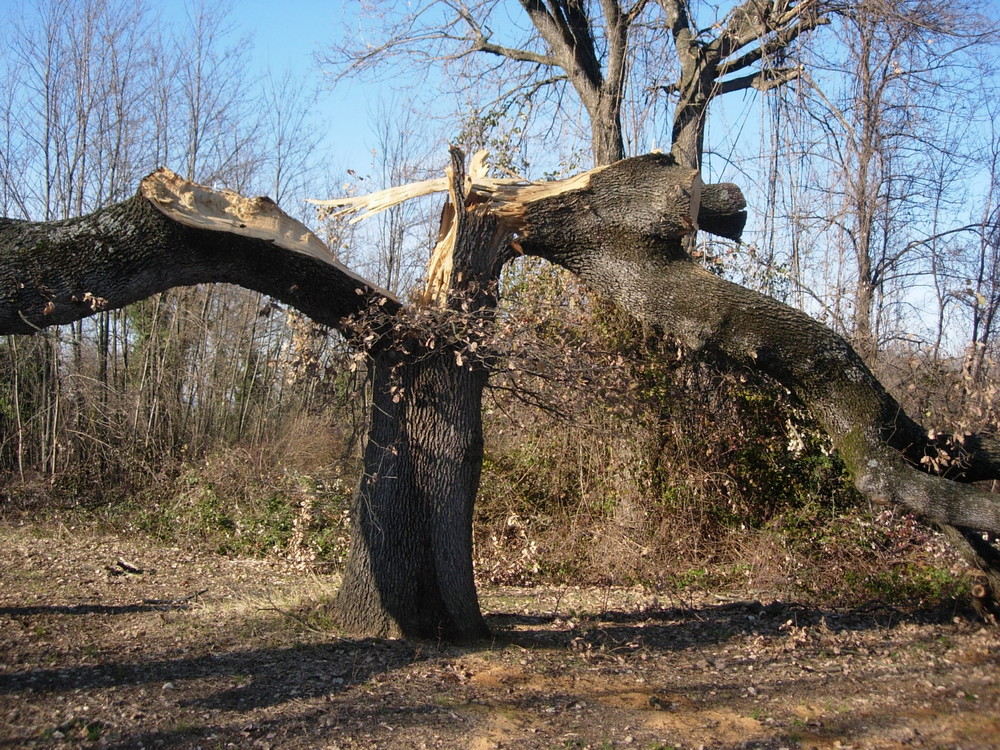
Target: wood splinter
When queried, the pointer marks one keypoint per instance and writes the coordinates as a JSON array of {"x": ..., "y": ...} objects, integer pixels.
[{"x": 681, "y": 202}]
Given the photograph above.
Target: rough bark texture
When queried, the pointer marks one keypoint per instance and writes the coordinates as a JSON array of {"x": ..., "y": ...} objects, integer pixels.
[
  {"x": 648, "y": 274},
  {"x": 409, "y": 572},
  {"x": 57, "y": 272},
  {"x": 722, "y": 211}
]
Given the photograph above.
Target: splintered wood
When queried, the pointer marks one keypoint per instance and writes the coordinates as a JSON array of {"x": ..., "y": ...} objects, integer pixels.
[
  {"x": 442, "y": 260},
  {"x": 197, "y": 206},
  {"x": 506, "y": 197},
  {"x": 503, "y": 195}
]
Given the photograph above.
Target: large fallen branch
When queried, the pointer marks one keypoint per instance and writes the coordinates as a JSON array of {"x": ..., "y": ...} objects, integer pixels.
[
  {"x": 610, "y": 231},
  {"x": 619, "y": 228},
  {"x": 171, "y": 233}
]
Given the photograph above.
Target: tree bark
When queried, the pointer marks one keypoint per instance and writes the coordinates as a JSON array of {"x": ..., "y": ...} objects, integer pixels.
[
  {"x": 58, "y": 272},
  {"x": 409, "y": 571},
  {"x": 612, "y": 234}
]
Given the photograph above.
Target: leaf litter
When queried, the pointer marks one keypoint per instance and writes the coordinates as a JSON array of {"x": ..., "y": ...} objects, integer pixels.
[{"x": 111, "y": 642}]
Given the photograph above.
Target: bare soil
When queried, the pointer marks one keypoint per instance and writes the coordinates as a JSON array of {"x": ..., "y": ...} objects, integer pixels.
[{"x": 119, "y": 643}]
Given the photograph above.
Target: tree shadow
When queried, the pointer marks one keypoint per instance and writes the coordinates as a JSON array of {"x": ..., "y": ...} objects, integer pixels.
[
  {"x": 676, "y": 628},
  {"x": 92, "y": 609},
  {"x": 263, "y": 677},
  {"x": 216, "y": 684},
  {"x": 212, "y": 688}
]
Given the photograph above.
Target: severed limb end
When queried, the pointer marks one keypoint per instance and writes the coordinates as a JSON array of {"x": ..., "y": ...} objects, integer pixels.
[{"x": 679, "y": 205}]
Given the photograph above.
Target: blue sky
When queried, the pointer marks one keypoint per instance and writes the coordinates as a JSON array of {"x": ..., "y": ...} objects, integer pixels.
[
  {"x": 289, "y": 34},
  {"x": 286, "y": 36}
]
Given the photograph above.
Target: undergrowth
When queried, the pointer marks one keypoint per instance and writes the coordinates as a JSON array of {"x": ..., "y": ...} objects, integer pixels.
[
  {"x": 701, "y": 479},
  {"x": 218, "y": 503},
  {"x": 231, "y": 502}
]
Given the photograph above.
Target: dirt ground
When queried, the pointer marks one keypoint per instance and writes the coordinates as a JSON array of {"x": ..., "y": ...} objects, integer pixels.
[{"x": 118, "y": 643}]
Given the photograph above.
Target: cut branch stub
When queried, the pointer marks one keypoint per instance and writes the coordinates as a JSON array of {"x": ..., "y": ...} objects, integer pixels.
[{"x": 722, "y": 211}]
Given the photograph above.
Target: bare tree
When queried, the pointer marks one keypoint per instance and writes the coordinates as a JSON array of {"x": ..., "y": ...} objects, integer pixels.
[
  {"x": 969, "y": 275},
  {"x": 399, "y": 235},
  {"x": 620, "y": 228},
  {"x": 592, "y": 47},
  {"x": 288, "y": 136},
  {"x": 892, "y": 102},
  {"x": 95, "y": 94}
]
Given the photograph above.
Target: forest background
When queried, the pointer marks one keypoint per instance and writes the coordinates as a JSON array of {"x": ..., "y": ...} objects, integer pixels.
[{"x": 214, "y": 416}]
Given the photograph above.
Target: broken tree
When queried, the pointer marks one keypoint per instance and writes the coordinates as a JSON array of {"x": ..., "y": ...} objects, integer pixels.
[{"x": 620, "y": 228}]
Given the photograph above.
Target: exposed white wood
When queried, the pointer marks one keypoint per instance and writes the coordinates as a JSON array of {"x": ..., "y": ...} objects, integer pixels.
[
  {"x": 442, "y": 260},
  {"x": 197, "y": 206},
  {"x": 502, "y": 194},
  {"x": 506, "y": 196}
]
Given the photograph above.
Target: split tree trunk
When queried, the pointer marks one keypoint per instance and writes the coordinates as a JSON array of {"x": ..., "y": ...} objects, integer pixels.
[
  {"x": 620, "y": 228},
  {"x": 409, "y": 571},
  {"x": 410, "y": 568}
]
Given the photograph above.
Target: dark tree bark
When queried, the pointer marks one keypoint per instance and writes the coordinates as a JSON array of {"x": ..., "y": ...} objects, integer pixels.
[{"x": 409, "y": 571}]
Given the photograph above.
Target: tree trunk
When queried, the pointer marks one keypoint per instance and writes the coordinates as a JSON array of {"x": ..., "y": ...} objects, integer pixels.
[
  {"x": 606, "y": 138},
  {"x": 409, "y": 571},
  {"x": 695, "y": 90}
]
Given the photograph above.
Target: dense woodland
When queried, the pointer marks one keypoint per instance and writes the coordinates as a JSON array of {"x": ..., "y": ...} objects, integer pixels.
[{"x": 865, "y": 141}]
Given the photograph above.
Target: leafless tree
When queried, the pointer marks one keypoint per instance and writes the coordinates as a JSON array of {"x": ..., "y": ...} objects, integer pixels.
[
  {"x": 96, "y": 93},
  {"x": 594, "y": 49},
  {"x": 892, "y": 100},
  {"x": 620, "y": 228}
]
